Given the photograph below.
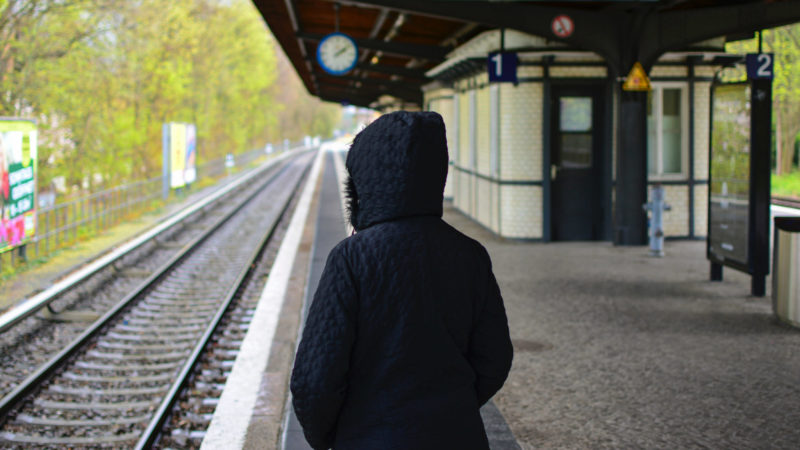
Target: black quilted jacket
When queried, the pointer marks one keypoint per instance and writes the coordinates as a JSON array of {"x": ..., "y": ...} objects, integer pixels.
[{"x": 407, "y": 334}]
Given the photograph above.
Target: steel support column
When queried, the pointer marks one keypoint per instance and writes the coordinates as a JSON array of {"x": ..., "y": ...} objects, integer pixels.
[
  {"x": 630, "y": 225},
  {"x": 760, "y": 138}
]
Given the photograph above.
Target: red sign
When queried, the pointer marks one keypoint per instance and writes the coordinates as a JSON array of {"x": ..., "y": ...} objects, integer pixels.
[{"x": 563, "y": 26}]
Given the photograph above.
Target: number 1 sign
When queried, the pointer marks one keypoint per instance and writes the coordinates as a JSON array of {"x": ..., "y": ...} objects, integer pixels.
[{"x": 502, "y": 67}]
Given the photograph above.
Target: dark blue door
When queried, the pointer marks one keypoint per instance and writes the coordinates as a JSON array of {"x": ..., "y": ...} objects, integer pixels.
[{"x": 575, "y": 175}]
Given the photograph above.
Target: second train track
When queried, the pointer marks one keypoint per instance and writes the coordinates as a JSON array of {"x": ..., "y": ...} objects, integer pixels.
[{"x": 117, "y": 386}]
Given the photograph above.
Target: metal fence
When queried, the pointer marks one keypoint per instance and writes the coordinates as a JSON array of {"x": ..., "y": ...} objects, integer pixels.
[{"x": 64, "y": 224}]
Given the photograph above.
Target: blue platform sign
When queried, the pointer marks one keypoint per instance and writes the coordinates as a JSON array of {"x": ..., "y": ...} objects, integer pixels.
[
  {"x": 760, "y": 66},
  {"x": 502, "y": 67}
]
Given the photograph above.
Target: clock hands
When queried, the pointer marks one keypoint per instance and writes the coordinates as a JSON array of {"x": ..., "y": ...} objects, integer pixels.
[
  {"x": 337, "y": 53},
  {"x": 341, "y": 50}
]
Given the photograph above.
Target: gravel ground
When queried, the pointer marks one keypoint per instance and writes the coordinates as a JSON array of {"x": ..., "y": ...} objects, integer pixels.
[{"x": 616, "y": 349}]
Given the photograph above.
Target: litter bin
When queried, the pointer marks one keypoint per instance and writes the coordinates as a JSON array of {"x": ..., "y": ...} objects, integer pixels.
[{"x": 786, "y": 270}]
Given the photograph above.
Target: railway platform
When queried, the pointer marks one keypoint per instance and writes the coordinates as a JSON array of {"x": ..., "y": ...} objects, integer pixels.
[{"x": 613, "y": 348}]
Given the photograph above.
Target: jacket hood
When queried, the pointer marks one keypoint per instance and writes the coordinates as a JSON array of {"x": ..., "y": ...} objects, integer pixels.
[{"x": 397, "y": 167}]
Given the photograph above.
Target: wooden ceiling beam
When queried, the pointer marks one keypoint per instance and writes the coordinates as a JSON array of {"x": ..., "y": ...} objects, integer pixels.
[
  {"x": 430, "y": 52},
  {"x": 418, "y": 74}
]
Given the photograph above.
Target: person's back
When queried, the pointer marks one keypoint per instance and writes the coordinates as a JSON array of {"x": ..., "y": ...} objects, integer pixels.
[{"x": 407, "y": 335}]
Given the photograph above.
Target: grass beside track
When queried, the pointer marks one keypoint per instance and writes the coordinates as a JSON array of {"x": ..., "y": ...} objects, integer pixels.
[{"x": 787, "y": 185}]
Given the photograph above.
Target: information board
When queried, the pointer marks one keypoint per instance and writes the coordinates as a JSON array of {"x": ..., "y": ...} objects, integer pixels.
[
  {"x": 177, "y": 151},
  {"x": 180, "y": 140},
  {"x": 729, "y": 196},
  {"x": 189, "y": 168},
  {"x": 17, "y": 182}
]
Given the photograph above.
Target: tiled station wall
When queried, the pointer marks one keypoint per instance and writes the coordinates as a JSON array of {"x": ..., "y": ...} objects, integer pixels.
[{"x": 506, "y": 201}]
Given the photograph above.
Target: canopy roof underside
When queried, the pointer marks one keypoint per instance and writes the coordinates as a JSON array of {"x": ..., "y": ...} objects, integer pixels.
[{"x": 400, "y": 40}]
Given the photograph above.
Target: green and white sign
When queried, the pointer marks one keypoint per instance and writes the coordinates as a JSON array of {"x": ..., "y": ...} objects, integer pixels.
[{"x": 17, "y": 182}]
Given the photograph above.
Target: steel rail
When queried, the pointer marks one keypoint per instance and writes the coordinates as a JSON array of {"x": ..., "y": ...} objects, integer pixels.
[
  {"x": 153, "y": 429},
  {"x": 786, "y": 202},
  {"x": 33, "y": 304},
  {"x": 16, "y": 396}
]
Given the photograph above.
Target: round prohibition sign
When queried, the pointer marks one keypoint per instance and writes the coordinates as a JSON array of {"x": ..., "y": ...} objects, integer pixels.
[{"x": 563, "y": 26}]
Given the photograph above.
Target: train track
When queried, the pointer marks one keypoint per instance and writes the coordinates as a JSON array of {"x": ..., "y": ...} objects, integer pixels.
[
  {"x": 118, "y": 382},
  {"x": 28, "y": 340},
  {"x": 786, "y": 201}
]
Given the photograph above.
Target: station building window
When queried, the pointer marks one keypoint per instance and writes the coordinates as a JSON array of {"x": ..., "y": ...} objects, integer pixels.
[
  {"x": 494, "y": 130},
  {"x": 473, "y": 126},
  {"x": 667, "y": 130}
]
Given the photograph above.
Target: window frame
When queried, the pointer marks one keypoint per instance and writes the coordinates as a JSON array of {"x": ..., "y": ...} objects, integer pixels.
[
  {"x": 658, "y": 99},
  {"x": 473, "y": 126},
  {"x": 454, "y": 155},
  {"x": 494, "y": 130}
]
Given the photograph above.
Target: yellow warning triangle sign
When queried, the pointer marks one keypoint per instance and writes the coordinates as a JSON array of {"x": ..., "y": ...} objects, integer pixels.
[{"x": 637, "y": 79}]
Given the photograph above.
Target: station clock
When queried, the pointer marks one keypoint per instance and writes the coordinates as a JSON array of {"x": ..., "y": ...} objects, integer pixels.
[{"x": 337, "y": 53}]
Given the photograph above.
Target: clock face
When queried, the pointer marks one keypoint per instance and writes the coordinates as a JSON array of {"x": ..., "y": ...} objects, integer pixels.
[{"x": 337, "y": 53}]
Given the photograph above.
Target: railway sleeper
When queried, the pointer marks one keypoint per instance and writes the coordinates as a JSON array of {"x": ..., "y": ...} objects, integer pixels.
[
  {"x": 120, "y": 406},
  {"x": 143, "y": 354},
  {"x": 91, "y": 365},
  {"x": 143, "y": 347},
  {"x": 93, "y": 441},
  {"x": 93, "y": 392},
  {"x": 27, "y": 419},
  {"x": 138, "y": 337},
  {"x": 160, "y": 330}
]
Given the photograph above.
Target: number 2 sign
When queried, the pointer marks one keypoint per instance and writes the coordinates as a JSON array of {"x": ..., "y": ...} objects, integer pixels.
[
  {"x": 503, "y": 67},
  {"x": 760, "y": 66}
]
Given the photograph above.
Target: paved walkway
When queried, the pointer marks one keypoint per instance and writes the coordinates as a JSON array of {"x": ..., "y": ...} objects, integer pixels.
[{"x": 616, "y": 349}]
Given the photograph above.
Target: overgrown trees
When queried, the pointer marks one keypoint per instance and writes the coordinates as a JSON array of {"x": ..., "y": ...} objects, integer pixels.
[
  {"x": 101, "y": 76},
  {"x": 785, "y": 43}
]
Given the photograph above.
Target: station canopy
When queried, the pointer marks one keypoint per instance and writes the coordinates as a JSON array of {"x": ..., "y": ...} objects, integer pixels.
[{"x": 400, "y": 40}]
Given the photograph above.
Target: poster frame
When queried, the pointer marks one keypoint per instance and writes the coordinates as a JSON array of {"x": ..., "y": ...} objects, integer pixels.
[
  {"x": 33, "y": 153},
  {"x": 746, "y": 266}
]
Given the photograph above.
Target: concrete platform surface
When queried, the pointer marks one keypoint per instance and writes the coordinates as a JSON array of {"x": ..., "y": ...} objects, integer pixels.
[{"x": 616, "y": 349}]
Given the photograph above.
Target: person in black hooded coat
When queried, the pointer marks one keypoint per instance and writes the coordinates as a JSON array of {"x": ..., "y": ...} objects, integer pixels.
[{"x": 407, "y": 334}]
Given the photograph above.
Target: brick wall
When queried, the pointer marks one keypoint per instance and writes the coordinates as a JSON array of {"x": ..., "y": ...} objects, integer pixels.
[
  {"x": 521, "y": 211},
  {"x": 701, "y": 210},
  {"x": 702, "y": 108},
  {"x": 578, "y": 72},
  {"x": 441, "y": 101},
  {"x": 521, "y": 132},
  {"x": 482, "y": 126}
]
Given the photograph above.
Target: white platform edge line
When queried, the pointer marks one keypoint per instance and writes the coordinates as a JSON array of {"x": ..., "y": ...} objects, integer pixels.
[
  {"x": 228, "y": 427},
  {"x": 341, "y": 176},
  {"x": 33, "y": 302},
  {"x": 778, "y": 210}
]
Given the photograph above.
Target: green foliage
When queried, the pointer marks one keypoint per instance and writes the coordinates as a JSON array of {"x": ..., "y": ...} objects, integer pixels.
[
  {"x": 786, "y": 185},
  {"x": 785, "y": 43},
  {"x": 731, "y": 141},
  {"x": 102, "y": 76}
]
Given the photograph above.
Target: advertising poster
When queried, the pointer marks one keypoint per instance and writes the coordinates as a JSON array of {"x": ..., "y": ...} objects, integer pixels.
[
  {"x": 729, "y": 202},
  {"x": 177, "y": 146},
  {"x": 17, "y": 182},
  {"x": 190, "y": 171}
]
